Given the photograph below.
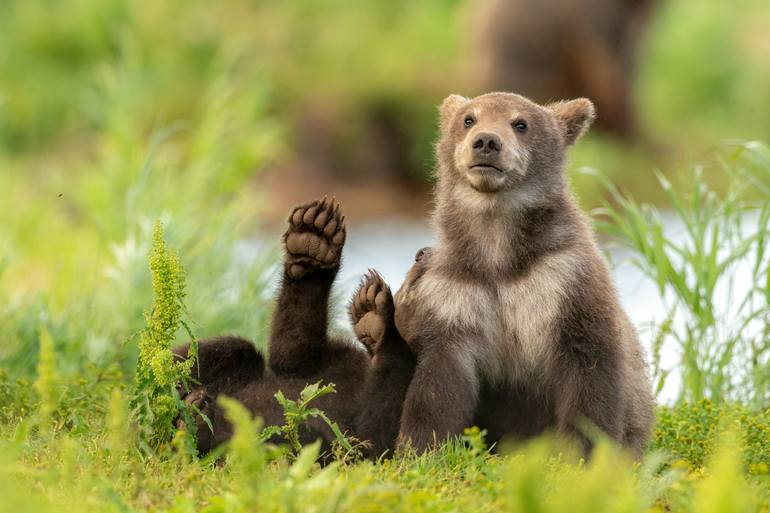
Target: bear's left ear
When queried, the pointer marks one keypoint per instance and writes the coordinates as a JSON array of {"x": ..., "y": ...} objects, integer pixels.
[
  {"x": 450, "y": 105},
  {"x": 574, "y": 116}
]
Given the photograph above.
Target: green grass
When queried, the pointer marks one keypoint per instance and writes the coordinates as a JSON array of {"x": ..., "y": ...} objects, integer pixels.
[
  {"x": 99, "y": 468},
  {"x": 141, "y": 127},
  {"x": 143, "y": 67},
  {"x": 718, "y": 243},
  {"x": 73, "y": 438},
  {"x": 114, "y": 114}
]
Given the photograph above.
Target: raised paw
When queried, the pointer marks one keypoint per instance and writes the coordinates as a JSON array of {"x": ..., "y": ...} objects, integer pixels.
[
  {"x": 314, "y": 238},
  {"x": 371, "y": 310}
]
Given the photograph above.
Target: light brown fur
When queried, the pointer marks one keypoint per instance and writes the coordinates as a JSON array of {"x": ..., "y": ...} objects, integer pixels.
[{"x": 515, "y": 307}]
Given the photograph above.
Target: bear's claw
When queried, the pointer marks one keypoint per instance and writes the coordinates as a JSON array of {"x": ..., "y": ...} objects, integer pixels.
[{"x": 201, "y": 400}]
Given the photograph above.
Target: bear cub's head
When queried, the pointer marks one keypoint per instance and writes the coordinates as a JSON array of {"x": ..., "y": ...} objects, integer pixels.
[{"x": 498, "y": 141}]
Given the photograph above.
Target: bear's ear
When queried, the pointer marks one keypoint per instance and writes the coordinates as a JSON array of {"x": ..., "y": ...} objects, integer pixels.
[
  {"x": 574, "y": 116},
  {"x": 450, "y": 105}
]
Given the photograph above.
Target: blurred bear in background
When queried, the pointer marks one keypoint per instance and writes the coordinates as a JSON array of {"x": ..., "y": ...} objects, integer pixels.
[{"x": 551, "y": 49}]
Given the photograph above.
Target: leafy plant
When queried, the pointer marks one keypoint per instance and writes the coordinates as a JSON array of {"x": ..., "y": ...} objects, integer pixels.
[
  {"x": 296, "y": 413},
  {"x": 725, "y": 490},
  {"x": 46, "y": 382},
  {"x": 690, "y": 432},
  {"x": 15, "y": 398},
  {"x": 156, "y": 402},
  {"x": 718, "y": 244}
]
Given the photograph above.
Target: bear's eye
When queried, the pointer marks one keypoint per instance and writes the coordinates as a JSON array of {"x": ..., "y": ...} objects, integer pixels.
[
  {"x": 469, "y": 121},
  {"x": 519, "y": 126}
]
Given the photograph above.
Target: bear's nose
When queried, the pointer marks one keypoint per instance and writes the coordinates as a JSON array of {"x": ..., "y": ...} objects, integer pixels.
[{"x": 487, "y": 143}]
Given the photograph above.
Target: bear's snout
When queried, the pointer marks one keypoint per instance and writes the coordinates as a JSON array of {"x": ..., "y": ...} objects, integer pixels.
[{"x": 487, "y": 144}]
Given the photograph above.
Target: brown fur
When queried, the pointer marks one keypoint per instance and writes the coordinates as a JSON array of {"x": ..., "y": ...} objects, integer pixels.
[
  {"x": 563, "y": 49},
  {"x": 370, "y": 387},
  {"x": 513, "y": 317}
]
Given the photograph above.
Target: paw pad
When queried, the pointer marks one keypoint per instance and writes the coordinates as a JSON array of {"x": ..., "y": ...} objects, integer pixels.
[
  {"x": 371, "y": 310},
  {"x": 314, "y": 238}
]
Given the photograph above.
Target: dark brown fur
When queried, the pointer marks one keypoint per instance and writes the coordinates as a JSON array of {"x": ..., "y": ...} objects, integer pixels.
[
  {"x": 514, "y": 319},
  {"x": 370, "y": 387}
]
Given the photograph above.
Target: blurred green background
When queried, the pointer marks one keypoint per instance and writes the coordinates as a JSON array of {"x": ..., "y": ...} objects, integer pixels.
[{"x": 216, "y": 117}]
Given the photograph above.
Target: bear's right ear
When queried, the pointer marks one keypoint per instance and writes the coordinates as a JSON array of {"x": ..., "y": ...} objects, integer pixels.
[{"x": 450, "y": 105}]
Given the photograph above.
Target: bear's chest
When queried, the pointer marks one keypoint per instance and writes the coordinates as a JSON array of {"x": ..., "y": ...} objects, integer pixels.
[{"x": 508, "y": 327}]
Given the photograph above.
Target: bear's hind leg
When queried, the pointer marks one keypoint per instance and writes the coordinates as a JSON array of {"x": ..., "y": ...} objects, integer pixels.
[
  {"x": 313, "y": 247},
  {"x": 392, "y": 367}
]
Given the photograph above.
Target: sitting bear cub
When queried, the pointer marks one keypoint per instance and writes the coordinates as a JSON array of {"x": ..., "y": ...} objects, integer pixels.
[{"x": 513, "y": 316}]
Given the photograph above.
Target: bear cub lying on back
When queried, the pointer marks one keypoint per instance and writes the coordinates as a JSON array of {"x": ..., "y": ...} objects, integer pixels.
[
  {"x": 371, "y": 378},
  {"x": 513, "y": 316}
]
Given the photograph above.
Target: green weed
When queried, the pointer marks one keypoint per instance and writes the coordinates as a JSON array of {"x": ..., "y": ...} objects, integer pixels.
[
  {"x": 689, "y": 432},
  {"x": 156, "y": 402},
  {"x": 297, "y": 413},
  {"x": 46, "y": 382},
  {"x": 718, "y": 242}
]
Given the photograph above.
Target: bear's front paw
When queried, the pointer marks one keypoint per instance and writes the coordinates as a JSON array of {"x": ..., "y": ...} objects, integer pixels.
[
  {"x": 314, "y": 238},
  {"x": 371, "y": 311}
]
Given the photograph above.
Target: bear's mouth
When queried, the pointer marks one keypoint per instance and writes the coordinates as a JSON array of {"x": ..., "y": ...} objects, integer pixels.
[
  {"x": 485, "y": 167},
  {"x": 486, "y": 177}
]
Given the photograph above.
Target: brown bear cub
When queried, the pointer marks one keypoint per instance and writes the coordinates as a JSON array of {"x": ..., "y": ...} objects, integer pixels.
[
  {"x": 371, "y": 382},
  {"x": 513, "y": 316}
]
